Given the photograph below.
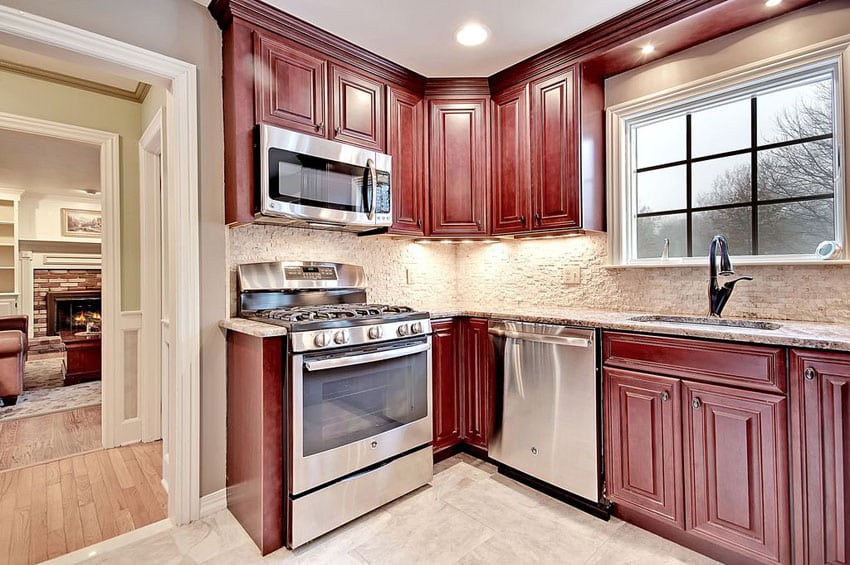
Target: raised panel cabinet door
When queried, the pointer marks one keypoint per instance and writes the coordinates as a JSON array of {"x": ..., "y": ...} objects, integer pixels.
[
  {"x": 736, "y": 470},
  {"x": 554, "y": 152},
  {"x": 458, "y": 167},
  {"x": 511, "y": 198},
  {"x": 820, "y": 396},
  {"x": 446, "y": 382},
  {"x": 358, "y": 109},
  {"x": 644, "y": 447},
  {"x": 291, "y": 86},
  {"x": 406, "y": 146},
  {"x": 478, "y": 382}
]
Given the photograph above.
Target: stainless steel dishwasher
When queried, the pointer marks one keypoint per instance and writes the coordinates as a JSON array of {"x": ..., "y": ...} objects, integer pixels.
[{"x": 547, "y": 416}]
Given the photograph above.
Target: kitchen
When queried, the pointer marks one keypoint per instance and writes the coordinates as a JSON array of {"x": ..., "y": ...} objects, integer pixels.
[{"x": 474, "y": 260}]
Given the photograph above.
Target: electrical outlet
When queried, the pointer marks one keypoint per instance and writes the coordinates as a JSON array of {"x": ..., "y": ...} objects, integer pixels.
[
  {"x": 572, "y": 274},
  {"x": 408, "y": 273}
]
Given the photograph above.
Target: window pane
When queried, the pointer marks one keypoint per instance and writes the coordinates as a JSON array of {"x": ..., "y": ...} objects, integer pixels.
[
  {"x": 802, "y": 169},
  {"x": 734, "y": 223},
  {"x": 720, "y": 129},
  {"x": 661, "y": 189},
  {"x": 652, "y": 231},
  {"x": 721, "y": 181},
  {"x": 795, "y": 112},
  {"x": 796, "y": 227},
  {"x": 661, "y": 142}
]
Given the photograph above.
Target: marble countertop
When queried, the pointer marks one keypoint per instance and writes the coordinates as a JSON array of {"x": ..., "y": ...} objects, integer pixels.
[{"x": 791, "y": 333}]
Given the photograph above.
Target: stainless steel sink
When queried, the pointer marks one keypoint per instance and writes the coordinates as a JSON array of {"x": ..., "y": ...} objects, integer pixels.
[{"x": 693, "y": 320}]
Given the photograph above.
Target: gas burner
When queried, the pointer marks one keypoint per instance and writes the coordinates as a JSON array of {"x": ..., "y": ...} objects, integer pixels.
[{"x": 330, "y": 312}]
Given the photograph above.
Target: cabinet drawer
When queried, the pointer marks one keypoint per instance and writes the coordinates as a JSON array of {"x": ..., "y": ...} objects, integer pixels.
[{"x": 751, "y": 366}]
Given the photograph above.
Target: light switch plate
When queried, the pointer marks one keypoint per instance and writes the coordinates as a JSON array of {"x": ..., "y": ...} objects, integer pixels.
[
  {"x": 409, "y": 275},
  {"x": 572, "y": 274}
]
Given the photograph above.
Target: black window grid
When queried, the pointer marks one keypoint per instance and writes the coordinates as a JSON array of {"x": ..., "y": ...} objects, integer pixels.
[{"x": 754, "y": 202}]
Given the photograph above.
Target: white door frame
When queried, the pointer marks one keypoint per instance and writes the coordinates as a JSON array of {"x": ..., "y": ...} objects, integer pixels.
[
  {"x": 150, "y": 377},
  {"x": 183, "y": 253},
  {"x": 110, "y": 186}
]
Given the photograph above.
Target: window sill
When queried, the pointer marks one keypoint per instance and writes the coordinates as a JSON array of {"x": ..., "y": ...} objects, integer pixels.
[{"x": 703, "y": 263}]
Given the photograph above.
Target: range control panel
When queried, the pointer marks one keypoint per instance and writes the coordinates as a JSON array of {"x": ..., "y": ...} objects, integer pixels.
[{"x": 305, "y": 273}]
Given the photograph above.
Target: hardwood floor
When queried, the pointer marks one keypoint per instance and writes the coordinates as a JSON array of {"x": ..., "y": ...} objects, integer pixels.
[
  {"x": 53, "y": 508},
  {"x": 26, "y": 441}
]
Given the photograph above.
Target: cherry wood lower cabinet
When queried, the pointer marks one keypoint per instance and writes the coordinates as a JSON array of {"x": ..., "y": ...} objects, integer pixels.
[
  {"x": 446, "y": 383},
  {"x": 644, "y": 434},
  {"x": 691, "y": 457},
  {"x": 463, "y": 384},
  {"x": 478, "y": 382},
  {"x": 820, "y": 432}
]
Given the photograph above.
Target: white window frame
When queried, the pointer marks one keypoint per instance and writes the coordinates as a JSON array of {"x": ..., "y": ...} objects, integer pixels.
[{"x": 620, "y": 154}]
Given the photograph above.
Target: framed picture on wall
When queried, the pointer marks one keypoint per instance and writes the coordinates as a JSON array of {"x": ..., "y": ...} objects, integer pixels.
[{"x": 82, "y": 223}]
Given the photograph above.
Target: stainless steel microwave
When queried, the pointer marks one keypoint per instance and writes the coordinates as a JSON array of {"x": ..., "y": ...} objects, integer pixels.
[{"x": 309, "y": 181}]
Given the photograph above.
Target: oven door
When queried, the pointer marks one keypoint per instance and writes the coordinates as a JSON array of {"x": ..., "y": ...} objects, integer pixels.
[
  {"x": 324, "y": 182},
  {"x": 356, "y": 408}
]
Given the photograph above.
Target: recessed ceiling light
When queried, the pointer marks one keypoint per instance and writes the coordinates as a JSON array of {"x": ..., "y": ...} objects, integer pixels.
[
  {"x": 772, "y": 3},
  {"x": 647, "y": 49},
  {"x": 472, "y": 34}
]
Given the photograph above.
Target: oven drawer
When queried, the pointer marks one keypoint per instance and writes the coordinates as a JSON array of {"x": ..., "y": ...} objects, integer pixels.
[{"x": 320, "y": 512}]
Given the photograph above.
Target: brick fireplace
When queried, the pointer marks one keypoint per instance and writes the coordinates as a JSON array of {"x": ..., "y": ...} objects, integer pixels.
[{"x": 58, "y": 280}]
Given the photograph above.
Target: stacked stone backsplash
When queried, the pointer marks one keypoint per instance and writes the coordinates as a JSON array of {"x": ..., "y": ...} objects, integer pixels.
[
  {"x": 56, "y": 280},
  {"x": 530, "y": 273},
  {"x": 514, "y": 275},
  {"x": 398, "y": 271}
]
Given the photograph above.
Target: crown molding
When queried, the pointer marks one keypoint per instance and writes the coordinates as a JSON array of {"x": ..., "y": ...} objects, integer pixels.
[{"x": 137, "y": 95}]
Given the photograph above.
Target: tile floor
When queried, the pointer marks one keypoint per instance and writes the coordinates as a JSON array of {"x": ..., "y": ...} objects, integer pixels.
[{"x": 469, "y": 515}]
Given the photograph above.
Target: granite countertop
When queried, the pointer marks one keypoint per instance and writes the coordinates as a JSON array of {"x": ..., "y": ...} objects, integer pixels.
[{"x": 791, "y": 333}]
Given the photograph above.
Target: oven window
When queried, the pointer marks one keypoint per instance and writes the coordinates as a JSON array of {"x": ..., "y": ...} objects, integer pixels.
[
  {"x": 348, "y": 404},
  {"x": 312, "y": 181}
]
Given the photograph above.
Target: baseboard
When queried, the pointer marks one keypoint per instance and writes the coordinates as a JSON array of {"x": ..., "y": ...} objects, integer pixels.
[{"x": 213, "y": 502}]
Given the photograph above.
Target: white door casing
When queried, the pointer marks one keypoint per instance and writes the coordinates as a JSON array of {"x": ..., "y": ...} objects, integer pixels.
[{"x": 182, "y": 252}]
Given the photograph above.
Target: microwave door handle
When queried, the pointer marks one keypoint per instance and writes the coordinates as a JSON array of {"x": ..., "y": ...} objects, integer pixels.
[
  {"x": 337, "y": 362},
  {"x": 370, "y": 164}
]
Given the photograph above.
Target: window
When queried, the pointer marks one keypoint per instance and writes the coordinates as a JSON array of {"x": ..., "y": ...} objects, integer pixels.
[{"x": 757, "y": 162}]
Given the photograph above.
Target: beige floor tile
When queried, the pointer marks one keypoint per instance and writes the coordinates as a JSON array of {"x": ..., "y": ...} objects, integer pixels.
[{"x": 633, "y": 546}]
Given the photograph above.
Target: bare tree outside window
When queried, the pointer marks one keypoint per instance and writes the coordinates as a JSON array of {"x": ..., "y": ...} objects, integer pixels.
[{"x": 783, "y": 137}]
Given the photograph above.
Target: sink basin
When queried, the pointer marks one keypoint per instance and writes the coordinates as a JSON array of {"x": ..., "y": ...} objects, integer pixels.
[{"x": 692, "y": 320}]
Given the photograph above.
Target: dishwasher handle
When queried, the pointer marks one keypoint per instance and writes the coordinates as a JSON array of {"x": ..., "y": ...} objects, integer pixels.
[{"x": 541, "y": 338}]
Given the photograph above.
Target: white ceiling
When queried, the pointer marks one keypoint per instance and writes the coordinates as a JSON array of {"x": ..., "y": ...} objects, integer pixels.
[
  {"x": 420, "y": 35},
  {"x": 46, "y": 165}
]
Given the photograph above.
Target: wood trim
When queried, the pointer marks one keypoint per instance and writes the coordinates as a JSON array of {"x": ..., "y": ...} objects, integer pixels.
[
  {"x": 463, "y": 87},
  {"x": 749, "y": 366},
  {"x": 136, "y": 95},
  {"x": 227, "y": 11},
  {"x": 688, "y": 22}
]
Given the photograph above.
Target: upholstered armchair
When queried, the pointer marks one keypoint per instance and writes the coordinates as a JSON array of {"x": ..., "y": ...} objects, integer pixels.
[
  {"x": 14, "y": 331},
  {"x": 11, "y": 365}
]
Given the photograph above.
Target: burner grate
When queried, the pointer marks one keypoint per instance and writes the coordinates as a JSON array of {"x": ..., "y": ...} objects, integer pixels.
[{"x": 330, "y": 312}]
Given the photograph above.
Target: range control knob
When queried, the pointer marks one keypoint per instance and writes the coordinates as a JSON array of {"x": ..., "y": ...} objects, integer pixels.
[
  {"x": 321, "y": 339},
  {"x": 402, "y": 330},
  {"x": 341, "y": 337},
  {"x": 416, "y": 328},
  {"x": 376, "y": 332}
]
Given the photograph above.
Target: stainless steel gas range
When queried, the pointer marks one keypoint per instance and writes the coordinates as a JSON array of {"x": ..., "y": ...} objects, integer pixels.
[{"x": 356, "y": 394}]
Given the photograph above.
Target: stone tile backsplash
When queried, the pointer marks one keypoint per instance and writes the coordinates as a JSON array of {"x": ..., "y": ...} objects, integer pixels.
[{"x": 517, "y": 274}]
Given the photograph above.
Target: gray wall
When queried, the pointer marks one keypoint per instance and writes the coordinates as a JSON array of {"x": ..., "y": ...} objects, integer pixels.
[{"x": 184, "y": 30}]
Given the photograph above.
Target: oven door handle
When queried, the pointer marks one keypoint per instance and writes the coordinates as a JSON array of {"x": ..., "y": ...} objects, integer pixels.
[{"x": 337, "y": 362}]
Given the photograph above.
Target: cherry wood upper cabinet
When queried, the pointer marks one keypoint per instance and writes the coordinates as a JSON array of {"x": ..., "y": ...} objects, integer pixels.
[
  {"x": 459, "y": 169},
  {"x": 736, "y": 482},
  {"x": 291, "y": 86},
  {"x": 644, "y": 446},
  {"x": 446, "y": 382},
  {"x": 358, "y": 109},
  {"x": 554, "y": 152},
  {"x": 820, "y": 436},
  {"x": 406, "y": 146},
  {"x": 479, "y": 382},
  {"x": 511, "y": 197}
]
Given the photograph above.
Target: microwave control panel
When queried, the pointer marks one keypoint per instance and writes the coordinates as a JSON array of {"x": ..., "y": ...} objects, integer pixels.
[{"x": 305, "y": 273}]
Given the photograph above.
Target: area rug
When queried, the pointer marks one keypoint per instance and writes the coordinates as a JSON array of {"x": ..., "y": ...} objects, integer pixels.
[{"x": 44, "y": 393}]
